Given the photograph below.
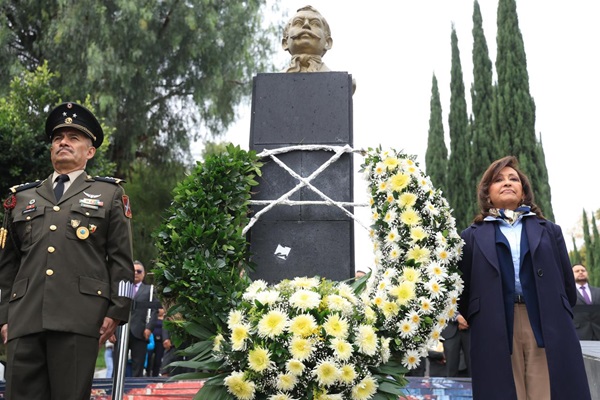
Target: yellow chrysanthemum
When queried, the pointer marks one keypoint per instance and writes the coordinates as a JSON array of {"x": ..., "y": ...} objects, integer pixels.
[
  {"x": 217, "y": 342},
  {"x": 286, "y": 382},
  {"x": 410, "y": 217},
  {"x": 411, "y": 274},
  {"x": 390, "y": 309},
  {"x": 300, "y": 348},
  {"x": 370, "y": 315},
  {"x": 347, "y": 374},
  {"x": 239, "y": 334},
  {"x": 404, "y": 292},
  {"x": 365, "y": 389},
  {"x": 418, "y": 233},
  {"x": 407, "y": 199},
  {"x": 259, "y": 359},
  {"x": 342, "y": 349},
  {"x": 390, "y": 163},
  {"x": 399, "y": 181},
  {"x": 294, "y": 367},
  {"x": 418, "y": 253},
  {"x": 366, "y": 340},
  {"x": 326, "y": 373},
  {"x": 305, "y": 282},
  {"x": 272, "y": 324},
  {"x": 336, "y": 326},
  {"x": 239, "y": 387},
  {"x": 303, "y": 325}
]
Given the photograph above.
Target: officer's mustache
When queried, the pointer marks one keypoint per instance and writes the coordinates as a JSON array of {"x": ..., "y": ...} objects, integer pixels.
[{"x": 305, "y": 32}]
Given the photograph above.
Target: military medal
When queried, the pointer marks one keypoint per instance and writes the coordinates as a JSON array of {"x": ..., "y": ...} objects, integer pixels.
[
  {"x": 83, "y": 233},
  {"x": 75, "y": 223},
  {"x": 92, "y": 228}
]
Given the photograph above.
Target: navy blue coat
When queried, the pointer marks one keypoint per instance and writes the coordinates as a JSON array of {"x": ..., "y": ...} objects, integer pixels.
[{"x": 488, "y": 301}]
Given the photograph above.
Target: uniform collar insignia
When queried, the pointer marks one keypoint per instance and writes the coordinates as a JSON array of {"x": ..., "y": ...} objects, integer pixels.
[{"x": 92, "y": 196}]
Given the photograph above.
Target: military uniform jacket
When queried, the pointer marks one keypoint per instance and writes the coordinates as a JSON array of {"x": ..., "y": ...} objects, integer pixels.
[{"x": 54, "y": 275}]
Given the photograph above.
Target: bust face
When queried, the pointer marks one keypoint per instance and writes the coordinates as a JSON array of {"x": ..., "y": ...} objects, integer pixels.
[{"x": 306, "y": 34}]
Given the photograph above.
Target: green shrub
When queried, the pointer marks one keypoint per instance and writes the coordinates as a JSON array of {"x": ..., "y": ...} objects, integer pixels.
[{"x": 203, "y": 259}]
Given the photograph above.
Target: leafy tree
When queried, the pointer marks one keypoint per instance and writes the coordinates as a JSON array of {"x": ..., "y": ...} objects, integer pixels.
[
  {"x": 461, "y": 192},
  {"x": 436, "y": 157},
  {"x": 484, "y": 140},
  {"x": 157, "y": 70},
  {"x": 25, "y": 148},
  {"x": 515, "y": 108}
]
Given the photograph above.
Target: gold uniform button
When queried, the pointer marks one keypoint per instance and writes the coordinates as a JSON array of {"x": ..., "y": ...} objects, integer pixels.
[
  {"x": 52, "y": 227},
  {"x": 51, "y": 249},
  {"x": 49, "y": 272},
  {"x": 56, "y": 208},
  {"x": 99, "y": 292},
  {"x": 28, "y": 218},
  {"x": 14, "y": 295},
  {"x": 87, "y": 214}
]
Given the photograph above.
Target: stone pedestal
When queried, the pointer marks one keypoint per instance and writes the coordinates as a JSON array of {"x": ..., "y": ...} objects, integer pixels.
[{"x": 306, "y": 240}]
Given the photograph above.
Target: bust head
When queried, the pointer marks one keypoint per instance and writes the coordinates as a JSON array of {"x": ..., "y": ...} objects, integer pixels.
[{"x": 307, "y": 33}]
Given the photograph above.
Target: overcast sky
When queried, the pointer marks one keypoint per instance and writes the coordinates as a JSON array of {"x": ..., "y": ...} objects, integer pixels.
[{"x": 392, "y": 48}]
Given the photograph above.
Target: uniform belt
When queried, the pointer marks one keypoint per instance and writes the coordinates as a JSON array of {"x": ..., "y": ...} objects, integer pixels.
[{"x": 519, "y": 298}]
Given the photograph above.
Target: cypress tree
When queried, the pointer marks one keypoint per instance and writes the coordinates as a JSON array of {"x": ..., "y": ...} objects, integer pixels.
[
  {"x": 436, "y": 157},
  {"x": 461, "y": 192},
  {"x": 575, "y": 255},
  {"x": 594, "y": 270},
  {"x": 515, "y": 108},
  {"x": 587, "y": 240},
  {"x": 484, "y": 141}
]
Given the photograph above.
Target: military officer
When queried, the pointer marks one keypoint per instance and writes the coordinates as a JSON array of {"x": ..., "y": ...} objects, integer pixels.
[{"x": 65, "y": 266}]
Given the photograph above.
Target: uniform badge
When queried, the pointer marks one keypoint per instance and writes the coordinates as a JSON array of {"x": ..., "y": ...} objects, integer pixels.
[
  {"x": 83, "y": 233},
  {"x": 92, "y": 196},
  {"x": 93, "y": 228},
  {"x": 75, "y": 223},
  {"x": 127, "y": 206}
]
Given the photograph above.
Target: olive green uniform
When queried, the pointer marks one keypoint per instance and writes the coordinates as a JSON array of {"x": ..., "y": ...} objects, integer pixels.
[{"x": 64, "y": 267}]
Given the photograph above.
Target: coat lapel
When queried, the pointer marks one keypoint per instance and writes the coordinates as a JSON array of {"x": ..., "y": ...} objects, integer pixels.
[
  {"x": 78, "y": 185},
  {"x": 535, "y": 232},
  {"x": 45, "y": 190},
  {"x": 486, "y": 240}
]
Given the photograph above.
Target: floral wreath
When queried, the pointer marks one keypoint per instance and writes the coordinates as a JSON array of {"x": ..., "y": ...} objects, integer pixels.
[{"x": 310, "y": 338}]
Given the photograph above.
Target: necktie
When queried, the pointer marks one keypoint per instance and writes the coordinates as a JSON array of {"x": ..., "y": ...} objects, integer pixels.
[
  {"x": 135, "y": 289},
  {"x": 586, "y": 298},
  {"x": 60, "y": 185}
]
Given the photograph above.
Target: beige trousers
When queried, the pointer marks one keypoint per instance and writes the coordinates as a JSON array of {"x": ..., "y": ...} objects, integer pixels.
[{"x": 529, "y": 364}]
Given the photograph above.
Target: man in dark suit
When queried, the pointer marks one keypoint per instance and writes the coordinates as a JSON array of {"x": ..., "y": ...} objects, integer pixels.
[
  {"x": 456, "y": 338},
  {"x": 141, "y": 320},
  {"x": 586, "y": 319},
  {"x": 65, "y": 266}
]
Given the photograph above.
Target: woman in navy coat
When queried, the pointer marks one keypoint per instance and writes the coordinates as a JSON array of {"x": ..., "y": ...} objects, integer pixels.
[{"x": 519, "y": 290}]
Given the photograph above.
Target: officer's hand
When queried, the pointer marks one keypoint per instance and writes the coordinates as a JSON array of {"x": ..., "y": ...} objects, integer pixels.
[
  {"x": 107, "y": 329},
  {"x": 4, "y": 333},
  {"x": 147, "y": 333},
  {"x": 167, "y": 344}
]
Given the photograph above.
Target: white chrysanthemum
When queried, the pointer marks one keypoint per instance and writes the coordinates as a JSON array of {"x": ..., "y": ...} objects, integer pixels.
[
  {"x": 305, "y": 299},
  {"x": 426, "y": 306},
  {"x": 390, "y": 273},
  {"x": 336, "y": 302},
  {"x": 394, "y": 252},
  {"x": 383, "y": 187},
  {"x": 305, "y": 283},
  {"x": 414, "y": 317},
  {"x": 235, "y": 317},
  {"x": 253, "y": 288},
  {"x": 347, "y": 374},
  {"x": 375, "y": 216},
  {"x": 392, "y": 236},
  {"x": 286, "y": 382},
  {"x": 342, "y": 350},
  {"x": 436, "y": 270},
  {"x": 281, "y": 396},
  {"x": 259, "y": 359},
  {"x": 380, "y": 169},
  {"x": 295, "y": 367},
  {"x": 411, "y": 359},
  {"x": 301, "y": 348},
  {"x": 435, "y": 288},
  {"x": 389, "y": 216},
  {"x": 443, "y": 255},
  {"x": 272, "y": 324},
  {"x": 366, "y": 340},
  {"x": 267, "y": 297},
  {"x": 406, "y": 328},
  {"x": 347, "y": 292},
  {"x": 435, "y": 334},
  {"x": 431, "y": 209},
  {"x": 326, "y": 372},
  {"x": 385, "y": 349}
]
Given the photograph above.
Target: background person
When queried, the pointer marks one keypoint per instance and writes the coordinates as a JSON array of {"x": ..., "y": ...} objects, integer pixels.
[
  {"x": 65, "y": 266},
  {"x": 586, "y": 319},
  {"x": 518, "y": 294}
]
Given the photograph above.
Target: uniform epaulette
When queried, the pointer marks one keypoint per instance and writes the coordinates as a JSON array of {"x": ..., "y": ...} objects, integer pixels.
[
  {"x": 24, "y": 186},
  {"x": 108, "y": 179}
]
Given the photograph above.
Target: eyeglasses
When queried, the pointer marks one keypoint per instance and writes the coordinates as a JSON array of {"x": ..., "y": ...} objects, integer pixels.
[{"x": 139, "y": 271}]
